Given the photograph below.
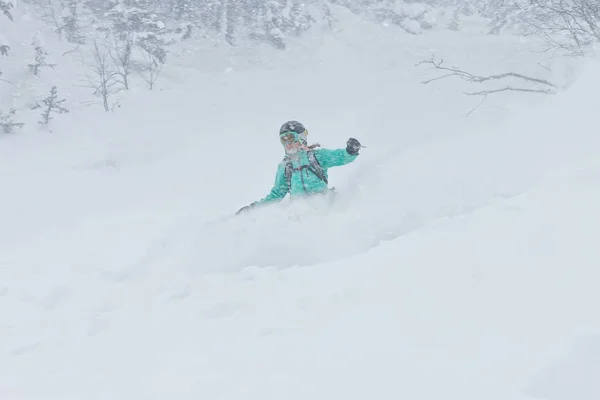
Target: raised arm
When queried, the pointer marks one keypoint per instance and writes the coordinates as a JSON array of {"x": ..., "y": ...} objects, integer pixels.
[{"x": 335, "y": 158}]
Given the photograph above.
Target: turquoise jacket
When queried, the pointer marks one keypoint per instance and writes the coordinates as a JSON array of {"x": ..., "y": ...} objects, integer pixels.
[{"x": 304, "y": 182}]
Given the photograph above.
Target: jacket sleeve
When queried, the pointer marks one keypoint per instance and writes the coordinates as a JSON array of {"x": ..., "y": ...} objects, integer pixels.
[
  {"x": 334, "y": 158},
  {"x": 279, "y": 190}
]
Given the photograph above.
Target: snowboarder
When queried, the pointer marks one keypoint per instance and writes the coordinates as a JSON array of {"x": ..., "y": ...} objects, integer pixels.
[{"x": 303, "y": 170}]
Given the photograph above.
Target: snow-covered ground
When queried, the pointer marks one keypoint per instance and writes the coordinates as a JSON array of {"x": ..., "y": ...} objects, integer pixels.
[{"x": 458, "y": 262}]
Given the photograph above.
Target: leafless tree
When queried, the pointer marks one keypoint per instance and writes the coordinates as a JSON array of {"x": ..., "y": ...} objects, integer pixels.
[
  {"x": 102, "y": 77},
  {"x": 120, "y": 53},
  {"x": 540, "y": 86},
  {"x": 150, "y": 68},
  {"x": 49, "y": 14},
  {"x": 572, "y": 26}
]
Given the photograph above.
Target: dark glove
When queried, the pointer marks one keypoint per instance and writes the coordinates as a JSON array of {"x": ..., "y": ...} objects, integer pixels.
[{"x": 353, "y": 146}]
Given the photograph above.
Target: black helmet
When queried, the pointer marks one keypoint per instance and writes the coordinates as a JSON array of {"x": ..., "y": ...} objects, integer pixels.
[{"x": 292, "y": 126}]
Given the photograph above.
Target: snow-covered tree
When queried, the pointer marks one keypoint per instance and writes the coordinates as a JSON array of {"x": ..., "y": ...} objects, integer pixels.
[
  {"x": 184, "y": 13},
  {"x": 569, "y": 25},
  {"x": 40, "y": 60},
  {"x": 149, "y": 69},
  {"x": 154, "y": 24},
  {"x": 50, "y": 105},
  {"x": 138, "y": 19},
  {"x": 65, "y": 16},
  {"x": 7, "y": 124},
  {"x": 299, "y": 20},
  {"x": 71, "y": 22},
  {"x": 182, "y": 9},
  {"x": 454, "y": 24},
  {"x": 5, "y": 7},
  {"x": 328, "y": 15},
  {"x": 269, "y": 26}
]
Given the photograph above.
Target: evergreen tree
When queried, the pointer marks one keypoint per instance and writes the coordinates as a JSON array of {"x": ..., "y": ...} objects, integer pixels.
[
  {"x": 49, "y": 105},
  {"x": 138, "y": 19},
  {"x": 5, "y": 7}
]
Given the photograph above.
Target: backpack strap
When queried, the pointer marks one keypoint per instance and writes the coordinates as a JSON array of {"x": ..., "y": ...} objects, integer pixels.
[
  {"x": 289, "y": 170},
  {"x": 314, "y": 167}
]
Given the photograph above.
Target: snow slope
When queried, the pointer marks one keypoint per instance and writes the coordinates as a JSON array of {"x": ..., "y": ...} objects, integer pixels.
[{"x": 459, "y": 261}]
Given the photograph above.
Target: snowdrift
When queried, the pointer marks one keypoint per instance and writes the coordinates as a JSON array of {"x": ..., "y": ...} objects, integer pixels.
[
  {"x": 497, "y": 303},
  {"x": 459, "y": 259},
  {"x": 406, "y": 190}
]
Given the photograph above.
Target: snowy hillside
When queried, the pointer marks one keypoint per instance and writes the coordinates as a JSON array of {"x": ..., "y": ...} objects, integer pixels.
[{"x": 459, "y": 260}]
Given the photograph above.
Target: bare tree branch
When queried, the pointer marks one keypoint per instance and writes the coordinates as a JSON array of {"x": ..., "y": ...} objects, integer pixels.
[
  {"x": 71, "y": 51},
  {"x": 120, "y": 53},
  {"x": 150, "y": 68},
  {"x": 508, "y": 88},
  {"x": 4, "y": 80},
  {"x": 546, "y": 86},
  {"x": 102, "y": 77},
  {"x": 572, "y": 26},
  {"x": 477, "y": 79},
  {"x": 50, "y": 13}
]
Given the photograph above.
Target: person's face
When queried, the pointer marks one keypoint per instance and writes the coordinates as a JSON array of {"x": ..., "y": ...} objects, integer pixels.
[{"x": 291, "y": 142}]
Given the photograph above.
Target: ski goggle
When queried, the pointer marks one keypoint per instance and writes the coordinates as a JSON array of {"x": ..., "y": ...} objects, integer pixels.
[
  {"x": 288, "y": 138},
  {"x": 291, "y": 137}
]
